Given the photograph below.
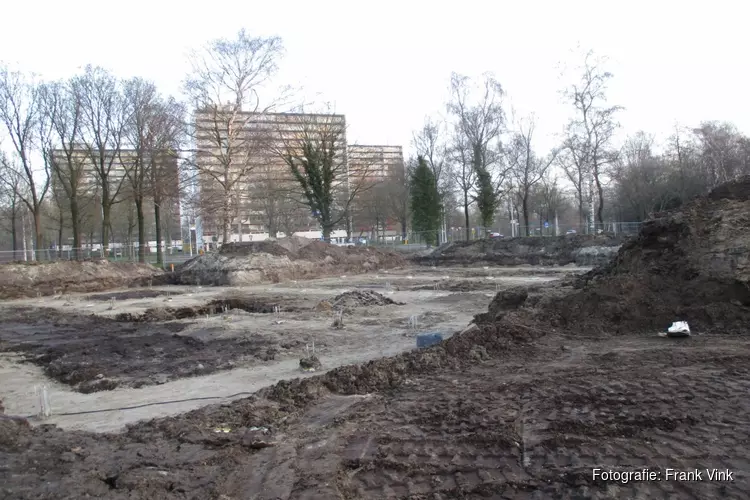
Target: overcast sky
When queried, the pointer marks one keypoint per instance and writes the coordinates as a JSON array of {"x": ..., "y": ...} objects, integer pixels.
[{"x": 387, "y": 64}]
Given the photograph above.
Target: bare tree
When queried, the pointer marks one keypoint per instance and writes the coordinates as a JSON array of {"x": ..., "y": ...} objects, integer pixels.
[
  {"x": 140, "y": 101},
  {"x": 526, "y": 168},
  {"x": 552, "y": 197},
  {"x": 430, "y": 143},
  {"x": 63, "y": 106},
  {"x": 397, "y": 196},
  {"x": 27, "y": 126},
  {"x": 103, "y": 121},
  {"x": 10, "y": 200},
  {"x": 224, "y": 85},
  {"x": 571, "y": 160},
  {"x": 152, "y": 132},
  {"x": 593, "y": 129},
  {"x": 477, "y": 128},
  {"x": 167, "y": 136}
]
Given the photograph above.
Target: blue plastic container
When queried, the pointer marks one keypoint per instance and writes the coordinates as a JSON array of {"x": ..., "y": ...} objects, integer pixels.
[{"x": 429, "y": 339}]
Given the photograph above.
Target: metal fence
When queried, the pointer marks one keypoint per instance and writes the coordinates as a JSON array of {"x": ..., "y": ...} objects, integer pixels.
[
  {"x": 119, "y": 254},
  {"x": 424, "y": 238},
  {"x": 414, "y": 240}
]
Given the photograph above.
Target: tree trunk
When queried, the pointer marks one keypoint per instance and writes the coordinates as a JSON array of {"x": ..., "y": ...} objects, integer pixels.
[
  {"x": 403, "y": 229},
  {"x": 157, "y": 221},
  {"x": 38, "y": 236},
  {"x": 466, "y": 214},
  {"x": 226, "y": 219},
  {"x": 105, "y": 230},
  {"x": 141, "y": 229},
  {"x": 76, "y": 227},
  {"x": 525, "y": 208},
  {"x": 326, "y": 232},
  {"x": 600, "y": 208},
  {"x": 14, "y": 230},
  {"x": 60, "y": 232},
  {"x": 580, "y": 211},
  {"x": 349, "y": 228},
  {"x": 272, "y": 229}
]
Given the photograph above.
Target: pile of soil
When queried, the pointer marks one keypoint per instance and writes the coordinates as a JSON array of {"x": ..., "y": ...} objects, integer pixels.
[
  {"x": 217, "y": 306},
  {"x": 583, "y": 250},
  {"x": 690, "y": 265},
  {"x": 28, "y": 279},
  {"x": 360, "y": 298},
  {"x": 294, "y": 243},
  {"x": 252, "y": 247},
  {"x": 268, "y": 261}
]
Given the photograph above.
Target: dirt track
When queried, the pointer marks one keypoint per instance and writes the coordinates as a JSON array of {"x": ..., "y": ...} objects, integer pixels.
[{"x": 531, "y": 423}]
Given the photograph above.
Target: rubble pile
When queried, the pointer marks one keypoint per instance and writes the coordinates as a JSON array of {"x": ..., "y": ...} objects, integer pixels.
[
  {"x": 583, "y": 250},
  {"x": 28, "y": 279},
  {"x": 249, "y": 263}
]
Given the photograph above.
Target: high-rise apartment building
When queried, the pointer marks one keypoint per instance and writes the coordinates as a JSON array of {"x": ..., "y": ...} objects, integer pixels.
[
  {"x": 245, "y": 156},
  {"x": 375, "y": 163}
]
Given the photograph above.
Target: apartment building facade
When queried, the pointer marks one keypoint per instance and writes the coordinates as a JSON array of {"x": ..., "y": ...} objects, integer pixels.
[
  {"x": 245, "y": 156},
  {"x": 375, "y": 163}
]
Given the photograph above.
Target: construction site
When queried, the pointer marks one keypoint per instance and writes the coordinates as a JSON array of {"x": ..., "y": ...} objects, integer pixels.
[{"x": 296, "y": 369}]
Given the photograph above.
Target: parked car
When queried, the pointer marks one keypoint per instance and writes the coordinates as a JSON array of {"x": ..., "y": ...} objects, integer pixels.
[
  {"x": 495, "y": 235},
  {"x": 570, "y": 231}
]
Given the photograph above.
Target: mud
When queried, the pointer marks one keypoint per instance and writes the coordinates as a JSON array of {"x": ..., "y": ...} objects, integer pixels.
[
  {"x": 524, "y": 423},
  {"x": 217, "y": 306},
  {"x": 92, "y": 354},
  {"x": 360, "y": 298},
  {"x": 132, "y": 294},
  {"x": 48, "y": 278},
  {"x": 582, "y": 250}
]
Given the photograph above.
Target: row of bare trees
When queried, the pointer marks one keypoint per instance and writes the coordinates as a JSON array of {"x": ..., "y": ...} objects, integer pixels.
[
  {"x": 92, "y": 138},
  {"x": 488, "y": 167}
]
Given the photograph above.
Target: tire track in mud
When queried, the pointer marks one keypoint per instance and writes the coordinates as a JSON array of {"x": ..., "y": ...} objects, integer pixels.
[{"x": 459, "y": 436}]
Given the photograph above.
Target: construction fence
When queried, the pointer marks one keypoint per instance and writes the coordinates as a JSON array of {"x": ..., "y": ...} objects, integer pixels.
[
  {"x": 447, "y": 235},
  {"x": 119, "y": 253}
]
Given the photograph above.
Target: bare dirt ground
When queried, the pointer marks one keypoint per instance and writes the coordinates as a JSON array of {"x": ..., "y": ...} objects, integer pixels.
[
  {"x": 553, "y": 381},
  {"x": 142, "y": 346},
  {"x": 531, "y": 422}
]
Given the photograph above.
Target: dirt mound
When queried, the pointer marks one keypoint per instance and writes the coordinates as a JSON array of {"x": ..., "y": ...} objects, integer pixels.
[
  {"x": 47, "y": 278},
  {"x": 266, "y": 261},
  {"x": 691, "y": 264},
  {"x": 546, "y": 251},
  {"x": 253, "y": 247},
  {"x": 294, "y": 243},
  {"x": 360, "y": 298}
]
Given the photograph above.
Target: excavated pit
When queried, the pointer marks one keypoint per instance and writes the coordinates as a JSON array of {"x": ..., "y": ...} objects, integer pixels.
[
  {"x": 214, "y": 307},
  {"x": 133, "y": 294}
]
